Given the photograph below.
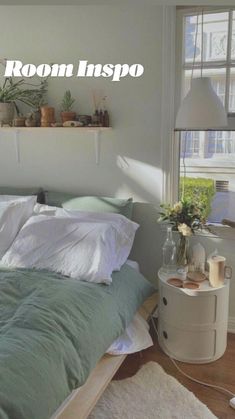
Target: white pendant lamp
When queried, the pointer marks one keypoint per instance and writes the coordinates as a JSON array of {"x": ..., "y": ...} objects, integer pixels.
[{"x": 201, "y": 109}]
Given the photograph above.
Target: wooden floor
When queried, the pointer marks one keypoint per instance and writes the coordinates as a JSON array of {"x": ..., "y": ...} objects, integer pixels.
[{"x": 221, "y": 372}]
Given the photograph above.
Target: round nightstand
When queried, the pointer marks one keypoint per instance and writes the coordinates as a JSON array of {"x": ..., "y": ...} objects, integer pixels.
[{"x": 192, "y": 324}]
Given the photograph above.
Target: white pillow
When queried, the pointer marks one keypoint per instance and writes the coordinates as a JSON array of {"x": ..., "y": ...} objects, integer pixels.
[
  {"x": 125, "y": 228},
  {"x": 13, "y": 198},
  {"x": 88, "y": 251},
  {"x": 44, "y": 209},
  {"x": 13, "y": 214}
]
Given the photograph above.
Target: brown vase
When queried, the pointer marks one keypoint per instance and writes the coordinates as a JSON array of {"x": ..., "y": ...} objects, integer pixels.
[
  {"x": 47, "y": 116},
  {"x": 68, "y": 116}
]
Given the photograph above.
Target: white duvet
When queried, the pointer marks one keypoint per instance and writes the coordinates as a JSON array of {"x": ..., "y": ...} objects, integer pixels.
[{"x": 136, "y": 336}]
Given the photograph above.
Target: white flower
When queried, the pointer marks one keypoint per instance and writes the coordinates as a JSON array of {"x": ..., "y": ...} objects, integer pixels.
[
  {"x": 178, "y": 207},
  {"x": 184, "y": 229}
]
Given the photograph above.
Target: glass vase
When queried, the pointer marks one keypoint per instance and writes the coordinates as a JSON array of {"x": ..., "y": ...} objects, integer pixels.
[
  {"x": 169, "y": 252},
  {"x": 183, "y": 251}
]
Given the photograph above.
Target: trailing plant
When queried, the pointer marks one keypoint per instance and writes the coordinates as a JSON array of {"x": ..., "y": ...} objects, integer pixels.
[
  {"x": 67, "y": 102},
  {"x": 30, "y": 94}
]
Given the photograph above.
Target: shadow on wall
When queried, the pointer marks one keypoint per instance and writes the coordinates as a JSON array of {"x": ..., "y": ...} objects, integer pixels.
[{"x": 147, "y": 249}]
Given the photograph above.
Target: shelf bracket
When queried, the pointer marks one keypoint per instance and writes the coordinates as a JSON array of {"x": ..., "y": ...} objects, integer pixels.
[
  {"x": 97, "y": 146},
  {"x": 17, "y": 145}
]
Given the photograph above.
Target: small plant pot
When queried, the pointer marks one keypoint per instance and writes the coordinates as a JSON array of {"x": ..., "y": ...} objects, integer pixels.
[
  {"x": 19, "y": 121},
  {"x": 67, "y": 116},
  {"x": 7, "y": 111},
  {"x": 30, "y": 122}
]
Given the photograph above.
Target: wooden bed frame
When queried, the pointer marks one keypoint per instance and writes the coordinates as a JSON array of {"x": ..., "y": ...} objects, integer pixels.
[{"x": 81, "y": 402}]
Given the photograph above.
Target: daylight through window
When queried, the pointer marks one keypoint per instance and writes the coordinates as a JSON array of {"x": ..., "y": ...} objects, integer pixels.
[{"x": 210, "y": 156}]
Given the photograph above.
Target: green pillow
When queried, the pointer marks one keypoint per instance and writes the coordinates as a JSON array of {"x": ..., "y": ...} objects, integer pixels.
[
  {"x": 57, "y": 199},
  {"x": 90, "y": 203},
  {"x": 11, "y": 190}
]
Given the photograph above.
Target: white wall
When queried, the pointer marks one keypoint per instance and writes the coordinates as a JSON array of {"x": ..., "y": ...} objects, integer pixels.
[{"x": 131, "y": 154}]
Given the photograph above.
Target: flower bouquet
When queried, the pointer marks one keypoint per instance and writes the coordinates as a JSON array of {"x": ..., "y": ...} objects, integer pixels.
[{"x": 185, "y": 217}]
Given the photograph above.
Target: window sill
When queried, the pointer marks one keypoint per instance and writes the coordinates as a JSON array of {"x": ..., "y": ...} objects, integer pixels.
[{"x": 218, "y": 231}]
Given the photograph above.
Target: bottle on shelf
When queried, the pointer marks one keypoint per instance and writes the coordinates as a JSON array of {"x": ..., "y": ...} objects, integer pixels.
[
  {"x": 101, "y": 118},
  {"x": 106, "y": 118},
  {"x": 96, "y": 118},
  {"x": 169, "y": 252}
]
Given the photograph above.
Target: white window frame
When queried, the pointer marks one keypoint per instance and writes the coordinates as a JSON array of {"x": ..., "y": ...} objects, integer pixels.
[
  {"x": 180, "y": 65},
  {"x": 172, "y": 169},
  {"x": 169, "y": 144}
]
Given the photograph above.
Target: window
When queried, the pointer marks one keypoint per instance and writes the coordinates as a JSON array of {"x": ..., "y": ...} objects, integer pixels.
[{"x": 210, "y": 154}]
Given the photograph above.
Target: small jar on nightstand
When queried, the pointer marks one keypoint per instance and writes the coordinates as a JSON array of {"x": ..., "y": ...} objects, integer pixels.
[{"x": 193, "y": 324}]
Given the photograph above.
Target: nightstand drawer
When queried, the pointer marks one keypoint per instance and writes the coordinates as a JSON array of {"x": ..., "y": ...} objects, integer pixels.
[
  {"x": 185, "y": 309},
  {"x": 191, "y": 346}
]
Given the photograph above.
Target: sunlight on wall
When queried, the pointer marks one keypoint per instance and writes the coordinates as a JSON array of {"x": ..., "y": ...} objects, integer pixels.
[{"x": 143, "y": 180}]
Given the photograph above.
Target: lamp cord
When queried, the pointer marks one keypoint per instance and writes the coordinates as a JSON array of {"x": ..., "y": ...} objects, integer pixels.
[
  {"x": 195, "y": 47},
  {"x": 219, "y": 388},
  {"x": 184, "y": 164},
  {"x": 186, "y": 133},
  {"x": 202, "y": 46}
]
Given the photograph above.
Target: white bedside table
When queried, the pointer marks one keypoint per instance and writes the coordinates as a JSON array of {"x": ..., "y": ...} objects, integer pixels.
[{"x": 192, "y": 324}]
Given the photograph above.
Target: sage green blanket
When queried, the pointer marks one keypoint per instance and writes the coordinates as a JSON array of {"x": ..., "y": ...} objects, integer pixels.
[{"x": 53, "y": 331}]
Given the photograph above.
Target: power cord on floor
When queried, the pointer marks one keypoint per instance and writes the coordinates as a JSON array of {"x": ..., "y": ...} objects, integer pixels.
[{"x": 231, "y": 402}]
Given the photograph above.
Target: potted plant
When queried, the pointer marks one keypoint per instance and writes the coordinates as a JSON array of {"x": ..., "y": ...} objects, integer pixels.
[
  {"x": 12, "y": 92},
  {"x": 66, "y": 106}
]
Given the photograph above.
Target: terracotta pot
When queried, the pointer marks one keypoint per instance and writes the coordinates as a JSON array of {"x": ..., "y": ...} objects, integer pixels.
[
  {"x": 7, "y": 111},
  {"x": 68, "y": 116},
  {"x": 47, "y": 116}
]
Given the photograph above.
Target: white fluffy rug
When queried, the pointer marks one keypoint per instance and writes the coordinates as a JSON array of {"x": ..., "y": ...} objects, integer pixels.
[{"x": 150, "y": 394}]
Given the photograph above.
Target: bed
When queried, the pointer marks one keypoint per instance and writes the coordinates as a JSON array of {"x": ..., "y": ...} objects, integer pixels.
[
  {"x": 54, "y": 331},
  {"x": 81, "y": 401}
]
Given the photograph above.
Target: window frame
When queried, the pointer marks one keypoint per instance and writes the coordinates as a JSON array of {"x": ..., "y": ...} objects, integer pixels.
[
  {"x": 227, "y": 64},
  {"x": 181, "y": 12}
]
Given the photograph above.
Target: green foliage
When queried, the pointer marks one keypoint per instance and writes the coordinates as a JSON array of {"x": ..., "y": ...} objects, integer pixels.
[
  {"x": 67, "y": 102},
  {"x": 184, "y": 216},
  {"x": 30, "y": 94},
  {"x": 198, "y": 190}
]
